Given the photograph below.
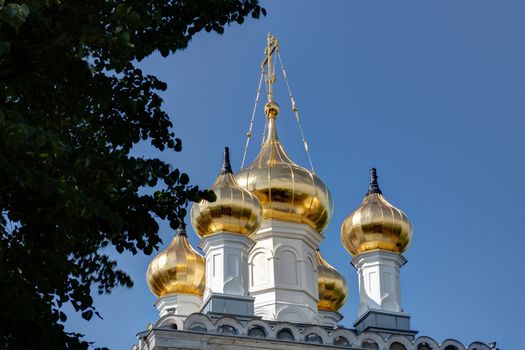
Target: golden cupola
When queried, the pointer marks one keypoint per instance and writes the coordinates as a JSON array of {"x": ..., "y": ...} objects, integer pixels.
[
  {"x": 234, "y": 211},
  {"x": 287, "y": 192},
  {"x": 333, "y": 289},
  {"x": 178, "y": 269},
  {"x": 376, "y": 224}
]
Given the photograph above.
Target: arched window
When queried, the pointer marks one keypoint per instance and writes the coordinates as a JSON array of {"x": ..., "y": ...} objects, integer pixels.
[
  {"x": 424, "y": 346},
  {"x": 451, "y": 347},
  {"x": 397, "y": 346},
  {"x": 370, "y": 344},
  {"x": 314, "y": 338},
  {"x": 285, "y": 334},
  {"x": 257, "y": 332},
  {"x": 198, "y": 327},
  {"x": 227, "y": 329},
  {"x": 341, "y": 341}
]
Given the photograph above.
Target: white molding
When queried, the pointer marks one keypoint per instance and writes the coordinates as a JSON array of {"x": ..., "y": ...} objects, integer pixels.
[
  {"x": 178, "y": 304},
  {"x": 276, "y": 299}
]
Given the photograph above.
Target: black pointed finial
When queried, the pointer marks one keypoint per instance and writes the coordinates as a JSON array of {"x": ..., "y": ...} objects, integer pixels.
[
  {"x": 374, "y": 186},
  {"x": 226, "y": 166},
  {"x": 181, "y": 231}
]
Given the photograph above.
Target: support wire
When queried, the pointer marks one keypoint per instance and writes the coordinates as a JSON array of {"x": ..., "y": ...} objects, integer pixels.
[
  {"x": 295, "y": 109},
  {"x": 250, "y": 129}
]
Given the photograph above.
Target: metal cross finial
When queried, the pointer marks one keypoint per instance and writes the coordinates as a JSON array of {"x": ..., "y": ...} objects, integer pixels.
[
  {"x": 226, "y": 166},
  {"x": 271, "y": 48},
  {"x": 374, "y": 186}
]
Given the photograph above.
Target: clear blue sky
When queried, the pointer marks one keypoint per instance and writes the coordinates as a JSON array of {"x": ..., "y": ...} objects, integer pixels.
[{"x": 432, "y": 93}]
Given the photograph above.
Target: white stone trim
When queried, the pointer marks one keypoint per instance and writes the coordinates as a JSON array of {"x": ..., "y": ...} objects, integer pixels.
[
  {"x": 292, "y": 327},
  {"x": 399, "y": 339},
  {"x": 423, "y": 339},
  {"x": 379, "y": 281},
  {"x": 452, "y": 342},
  {"x": 291, "y": 283},
  {"x": 178, "y": 304},
  {"x": 327, "y": 340},
  {"x": 226, "y": 263},
  {"x": 370, "y": 336}
]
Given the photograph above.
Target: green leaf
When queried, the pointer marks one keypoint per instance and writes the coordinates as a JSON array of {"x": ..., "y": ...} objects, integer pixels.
[
  {"x": 184, "y": 179},
  {"x": 87, "y": 315},
  {"x": 5, "y": 47},
  {"x": 14, "y": 14}
]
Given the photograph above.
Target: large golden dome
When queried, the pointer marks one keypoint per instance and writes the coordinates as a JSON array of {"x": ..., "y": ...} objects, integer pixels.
[
  {"x": 178, "y": 269},
  {"x": 376, "y": 224},
  {"x": 333, "y": 289},
  {"x": 235, "y": 210},
  {"x": 287, "y": 192}
]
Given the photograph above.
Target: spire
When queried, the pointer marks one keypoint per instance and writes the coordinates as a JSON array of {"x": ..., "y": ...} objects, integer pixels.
[
  {"x": 181, "y": 231},
  {"x": 271, "y": 108},
  {"x": 374, "y": 186},
  {"x": 226, "y": 166}
]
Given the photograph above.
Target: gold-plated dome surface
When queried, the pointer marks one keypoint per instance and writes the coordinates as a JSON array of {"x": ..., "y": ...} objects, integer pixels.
[
  {"x": 178, "y": 269},
  {"x": 286, "y": 191},
  {"x": 235, "y": 210},
  {"x": 333, "y": 289},
  {"x": 376, "y": 224}
]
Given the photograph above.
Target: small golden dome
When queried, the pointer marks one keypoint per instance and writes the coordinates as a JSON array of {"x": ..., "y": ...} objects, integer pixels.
[
  {"x": 332, "y": 286},
  {"x": 178, "y": 269},
  {"x": 287, "y": 192},
  {"x": 376, "y": 224},
  {"x": 235, "y": 210}
]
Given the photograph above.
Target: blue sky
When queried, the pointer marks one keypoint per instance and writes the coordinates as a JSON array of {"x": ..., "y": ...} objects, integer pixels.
[{"x": 432, "y": 93}]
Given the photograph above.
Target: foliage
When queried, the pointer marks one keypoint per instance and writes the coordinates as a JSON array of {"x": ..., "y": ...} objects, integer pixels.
[{"x": 72, "y": 106}]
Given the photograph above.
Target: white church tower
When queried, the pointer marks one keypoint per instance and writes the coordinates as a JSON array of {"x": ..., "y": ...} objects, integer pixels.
[
  {"x": 176, "y": 277},
  {"x": 297, "y": 207},
  {"x": 376, "y": 234},
  {"x": 225, "y": 227},
  {"x": 263, "y": 283}
]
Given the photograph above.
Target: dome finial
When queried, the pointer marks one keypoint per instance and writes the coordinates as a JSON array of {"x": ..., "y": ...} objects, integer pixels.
[
  {"x": 181, "y": 231},
  {"x": 271, "y": 109},
  {"x": 226, "y": 165},
  {"x": 374, "y": 186}
]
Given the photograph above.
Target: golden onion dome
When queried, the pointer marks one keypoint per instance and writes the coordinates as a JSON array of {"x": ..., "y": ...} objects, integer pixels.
[
  {"x": 178, "y": 269},
  {"x": 333, "y": 289},
  {"x": 234, "y": 211},
  {"x": 287, "y": 192},
  {"x": 376, "y": 224}
]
